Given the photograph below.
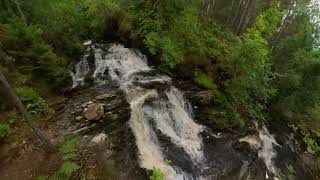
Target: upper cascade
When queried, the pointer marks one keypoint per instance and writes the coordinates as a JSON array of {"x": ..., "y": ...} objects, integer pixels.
[{"x": 158, "y": 109}]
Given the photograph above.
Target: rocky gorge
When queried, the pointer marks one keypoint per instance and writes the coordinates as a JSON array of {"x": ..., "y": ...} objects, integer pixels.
[{"x": 142, "y": 122}]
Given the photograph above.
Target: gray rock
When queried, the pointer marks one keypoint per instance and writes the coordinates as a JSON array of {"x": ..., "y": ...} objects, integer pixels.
[
  {"x": 77, "y": 111},
  {"x": 86, "y": 104},
  {"x": 94, "y": 112},
  {"x": 104, "y": 96},
  {"x": 99, "y": 138},
  {"x": 79, "y": 118}
]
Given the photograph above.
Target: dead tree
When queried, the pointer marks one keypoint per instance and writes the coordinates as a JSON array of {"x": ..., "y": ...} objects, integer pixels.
[
  {"x": 20, "y": 107},
  {"x": 242, "y": 16},
  {"x": 235, "y": 15}
]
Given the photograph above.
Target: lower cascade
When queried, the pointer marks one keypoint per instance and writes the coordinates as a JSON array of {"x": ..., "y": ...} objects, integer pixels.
[
  {"x": 162, "y": 121},
  {"x": 158, "y": 109}
]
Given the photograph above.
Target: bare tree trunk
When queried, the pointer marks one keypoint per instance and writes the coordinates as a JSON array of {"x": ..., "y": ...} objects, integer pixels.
[
  {"x": 18, "y": 104},
  {"x": 247, "y": 19},
  {"x": 26, "y": 116},
  {"x": 283, "y": 24},
  {"x": 230, "y": 13},
  {"x": 213, "y": 6},
  {"x": 235, "y": 16},
  {"x": 155, "y": 5},
  {"x": 19, "y": 10},
  {"x": 242, "y": 16}
]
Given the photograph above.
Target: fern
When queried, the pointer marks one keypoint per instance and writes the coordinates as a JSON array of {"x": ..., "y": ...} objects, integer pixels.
[
  {"x": 69, "y": 156},
  {"x": 69, "y": 167},
  {"x": 68, "y": 151},
  {"x": 69, "y": 147}
]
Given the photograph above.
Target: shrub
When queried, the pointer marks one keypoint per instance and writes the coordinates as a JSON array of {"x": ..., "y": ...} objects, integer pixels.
[
  {"x": 156, "y": 174},
  {"x": 206, "y": 82},
  {"x": 4, "y": 130},
  {"x": 32, "y": 56},
  {"x": 35, "y": 104},
  {"x": 236, "y": 120}
]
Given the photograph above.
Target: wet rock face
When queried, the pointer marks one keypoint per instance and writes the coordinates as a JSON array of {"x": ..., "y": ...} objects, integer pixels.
[
  {"x": 206, "y": 108},
  {"x": 115, "y": 136},
  {"x": 94, "y": 112}
]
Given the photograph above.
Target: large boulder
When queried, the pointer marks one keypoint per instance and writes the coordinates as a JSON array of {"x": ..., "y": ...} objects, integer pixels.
[{"x": 94, "y": 112}]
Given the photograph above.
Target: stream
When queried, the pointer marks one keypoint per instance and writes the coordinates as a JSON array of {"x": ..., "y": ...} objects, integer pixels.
[{"x": 166, "y": 132}]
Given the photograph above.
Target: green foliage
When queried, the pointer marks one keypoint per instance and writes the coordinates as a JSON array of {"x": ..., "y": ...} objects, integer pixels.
[
  {"x": 31, "y": 53},
  {"x": 312, "y": 145},
  {"x": 235, "y": 119},
  {"x": 297, "y": 66},
  {"x": 171, "y": 54},
  {"x": 206, "y": 82},
  {"x": 156, "y": 174},
  {"x": 68, "y": 168},
  {"x": 33, "y": 102},
  {"x": 102, "y": 13},
  {"x": 251, "y": 86},
  {"x": 68, "y": 151},
  {"x": 291, "y": 170},
  {"x": 4, "y": 131},
  {"x": 42, "y": 44}
]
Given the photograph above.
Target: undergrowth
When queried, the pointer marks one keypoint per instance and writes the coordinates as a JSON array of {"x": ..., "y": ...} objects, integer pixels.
[
  {"x": 34, "y": 103},
  {"x": 4, "y": 131},
  {"x": 68, "y": 151}
]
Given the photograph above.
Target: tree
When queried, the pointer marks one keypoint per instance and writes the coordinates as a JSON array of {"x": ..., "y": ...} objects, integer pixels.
[{"x": 26, "y": 116}]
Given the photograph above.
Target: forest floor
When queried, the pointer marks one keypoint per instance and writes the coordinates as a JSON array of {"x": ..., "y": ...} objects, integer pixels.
[{"x": 22, "y": 157}]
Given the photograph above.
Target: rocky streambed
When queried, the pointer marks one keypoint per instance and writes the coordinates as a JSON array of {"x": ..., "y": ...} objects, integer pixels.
[{"x": 131, "y": 110}]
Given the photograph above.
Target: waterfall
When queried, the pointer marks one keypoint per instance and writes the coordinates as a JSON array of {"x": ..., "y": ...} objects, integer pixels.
[
  {"x": 265, "y": 143},
  {"x": 81, "y": 70},
  {"x": 157, "y": 107},
  {"x": 161, "y": 118}
]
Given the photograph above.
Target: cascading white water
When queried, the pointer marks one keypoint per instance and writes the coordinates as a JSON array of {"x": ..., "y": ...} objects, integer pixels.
[
  {"x": 153, "y": 110},
  {"x": 265, "y": 143},
  {"x": 267, "y": 153},
  {"x": 81, "y": 70}
]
